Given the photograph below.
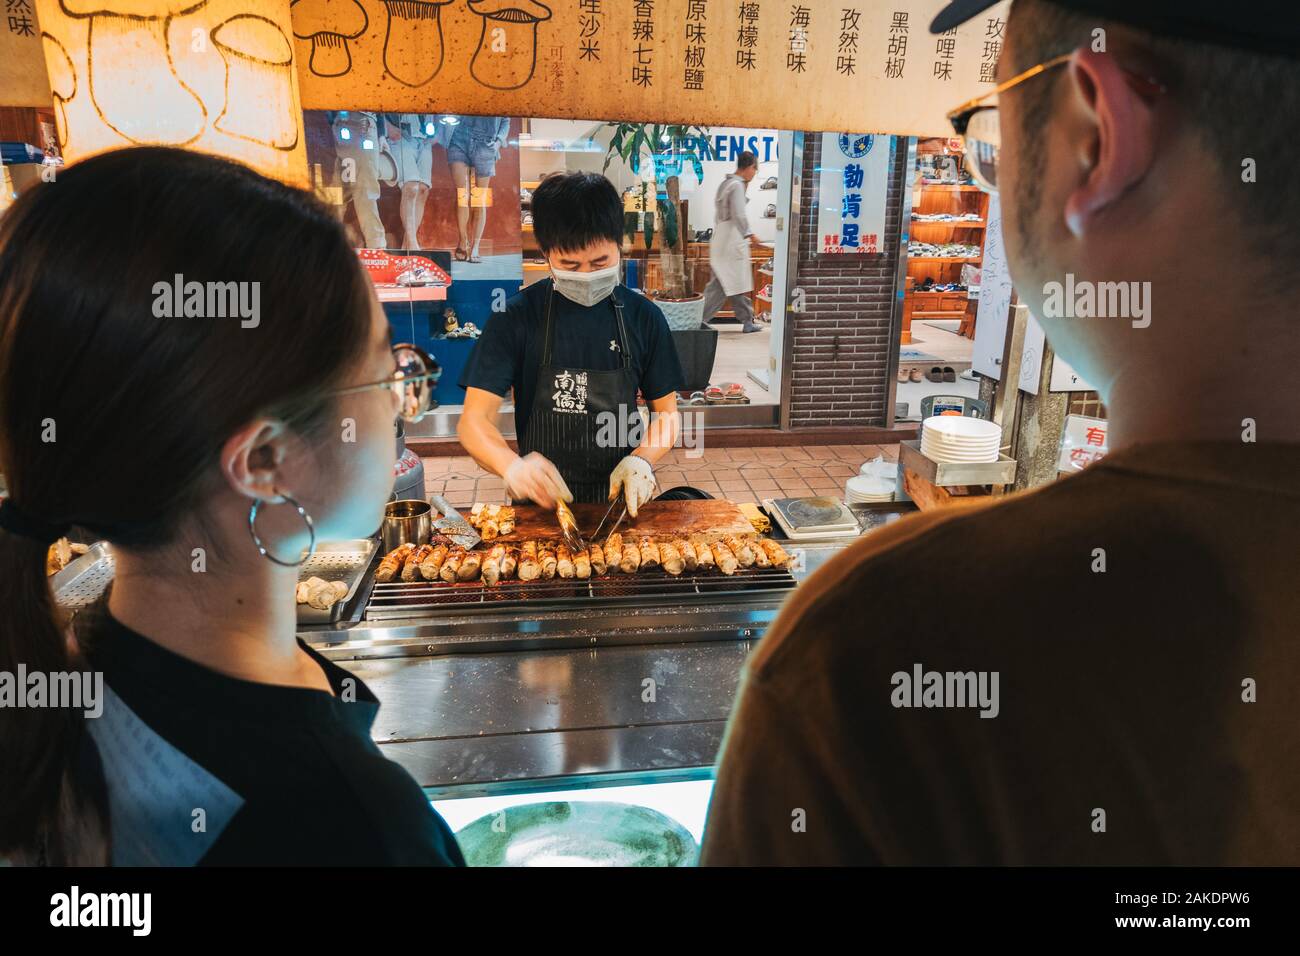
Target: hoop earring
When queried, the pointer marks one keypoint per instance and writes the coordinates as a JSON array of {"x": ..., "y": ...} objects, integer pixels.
[{"x": 261, "y": 548}]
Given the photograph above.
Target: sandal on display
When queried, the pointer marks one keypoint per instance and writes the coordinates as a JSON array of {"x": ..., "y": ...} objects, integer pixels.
[
  {"x": 713, "y": 395},
  {"x": 935, "y": 374},
  {"x": 769, "y": 183},
  {"x": 697, "y": 398},
  {"x": 915, "y": 374},
  {"x": 948, "y": 374},
  {"x": 734, "y": 392}
]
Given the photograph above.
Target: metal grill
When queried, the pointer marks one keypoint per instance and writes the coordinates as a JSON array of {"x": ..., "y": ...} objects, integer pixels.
[
  {"x": 401, "y": 599},
  {"x": 85, "y": 579}
]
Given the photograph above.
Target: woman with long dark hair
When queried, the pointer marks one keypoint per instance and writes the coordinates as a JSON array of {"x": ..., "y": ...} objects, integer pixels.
[{"x": 173, "y": 429}]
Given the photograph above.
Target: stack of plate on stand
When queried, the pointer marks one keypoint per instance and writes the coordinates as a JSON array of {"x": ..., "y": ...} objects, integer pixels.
[
  {"x": 953, "y": 439},
  {"x": 863, "y": 489},
  {"x": 875, "y": 481}
]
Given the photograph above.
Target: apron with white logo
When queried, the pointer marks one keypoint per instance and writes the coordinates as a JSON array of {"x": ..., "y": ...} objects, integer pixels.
[{"x": 581, "y": 417}]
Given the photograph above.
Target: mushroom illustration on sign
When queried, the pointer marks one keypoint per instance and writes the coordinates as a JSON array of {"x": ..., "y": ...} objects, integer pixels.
[
  {"x": 413, "y": 43},
  {"x": 63, "y": 83},
  {"x": 259, "y": 82},
  {"x": 133, "y": 85},
  {"x": 507, "y": 52},
  {"x": 329, "y": 24}
]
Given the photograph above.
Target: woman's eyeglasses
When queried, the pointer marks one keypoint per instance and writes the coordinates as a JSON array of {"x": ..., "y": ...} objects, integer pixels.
[
  {"x": 412, "y": 385},
  {"x": 977, "y": 121}
]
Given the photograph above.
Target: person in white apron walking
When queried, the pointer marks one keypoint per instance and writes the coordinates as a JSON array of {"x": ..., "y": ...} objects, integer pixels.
[{"x": 733, "y": 277}]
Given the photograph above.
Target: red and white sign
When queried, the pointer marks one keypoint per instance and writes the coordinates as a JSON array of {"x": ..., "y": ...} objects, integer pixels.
[
  {"x": 1083, "y": 442},
  {"x": 404, "y": 278}
]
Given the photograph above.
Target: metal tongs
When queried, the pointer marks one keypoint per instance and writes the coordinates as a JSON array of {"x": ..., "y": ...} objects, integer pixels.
[
  {"x": 608, "y": 511},
  {"x": 569, "y": 527}
]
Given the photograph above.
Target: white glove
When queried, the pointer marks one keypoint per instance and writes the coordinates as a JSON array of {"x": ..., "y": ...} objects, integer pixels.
[
  {"x": 636, "y": 479},
  {"x": 535, "y": 478}
]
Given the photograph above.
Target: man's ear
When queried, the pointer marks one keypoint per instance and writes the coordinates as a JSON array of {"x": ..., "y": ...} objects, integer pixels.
[
  {"x": 252, "y": 456},
  {"x": 1118, "y": 146}
]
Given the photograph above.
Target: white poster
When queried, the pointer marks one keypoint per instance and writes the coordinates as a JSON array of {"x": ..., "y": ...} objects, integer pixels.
[
  {"x": 1031, "y": 356},
  {"x": 995, "y": 299},
  {"x": 1066, "y": 379},
  {"x": 851, "y": 191}
]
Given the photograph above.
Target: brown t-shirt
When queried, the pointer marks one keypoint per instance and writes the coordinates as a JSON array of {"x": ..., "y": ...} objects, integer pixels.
[{"x": 1121, "y": 735}]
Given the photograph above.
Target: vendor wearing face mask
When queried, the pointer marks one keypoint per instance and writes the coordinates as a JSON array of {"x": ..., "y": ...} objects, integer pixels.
[{"x": 576, "y": 349}]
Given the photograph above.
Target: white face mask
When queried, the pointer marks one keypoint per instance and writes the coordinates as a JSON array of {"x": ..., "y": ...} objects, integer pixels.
[{"x": 586, "y": 288}]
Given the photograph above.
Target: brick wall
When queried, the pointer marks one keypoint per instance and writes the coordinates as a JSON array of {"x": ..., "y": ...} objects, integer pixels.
[{"x": 841, "y": 339}]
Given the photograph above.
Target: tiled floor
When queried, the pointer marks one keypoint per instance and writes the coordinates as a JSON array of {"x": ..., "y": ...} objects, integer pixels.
[{"x": 740, "y": 474}]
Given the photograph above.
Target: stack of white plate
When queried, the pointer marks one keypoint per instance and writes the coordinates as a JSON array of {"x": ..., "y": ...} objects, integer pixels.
[
  {"x": 957, "y": 440},
  {"x": 862, "y": 490}
]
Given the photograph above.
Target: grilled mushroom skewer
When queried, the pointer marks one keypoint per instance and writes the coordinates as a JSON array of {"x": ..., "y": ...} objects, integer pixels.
[
  {"x": 631, "y": 560},
  {"x": 491, "y": 569},
  {"x": 546, "y": 558},
  {"x": 582, "y": 564},
  {"x": 451, "y": 566},
  {"x": 744, "y": 554},
  {"x": 430, "y": 566},
  {"x": 671, "y": 558},
  {"x": 726, "y": 561},
  {"x": 703, "y": 553},
  {"x": 687, "y": 551},
  {"x": 392, "y": 563},
  {"x": 529, "y": 568},
  {"x": 597, "y": 554},
  {"x": 614, "y": 551}
]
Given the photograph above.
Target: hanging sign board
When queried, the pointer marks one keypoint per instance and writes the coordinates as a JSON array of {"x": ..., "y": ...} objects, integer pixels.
[
  {"x": 22, "y": 64},
  {"x": 852, "y": 184},
  {"x": 811, "y": 65},
  {"x": 211, "y": 75}
]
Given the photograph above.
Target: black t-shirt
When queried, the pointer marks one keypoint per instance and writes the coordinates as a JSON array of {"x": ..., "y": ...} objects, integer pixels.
[
  {"x": 509, "y": 352},
  {"x": 211, "y": 770}
]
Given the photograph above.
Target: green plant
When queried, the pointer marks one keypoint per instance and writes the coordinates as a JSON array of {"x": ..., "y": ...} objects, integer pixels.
[{"x": 668, "y": 147}]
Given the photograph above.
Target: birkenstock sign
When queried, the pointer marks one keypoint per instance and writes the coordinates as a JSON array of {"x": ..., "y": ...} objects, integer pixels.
[{"x": 811, "y": 65}]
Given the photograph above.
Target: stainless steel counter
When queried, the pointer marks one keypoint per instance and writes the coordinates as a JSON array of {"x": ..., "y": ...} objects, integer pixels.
[
  {"x": 485, "y": 723},
  {"x": 497, "y": 702}
]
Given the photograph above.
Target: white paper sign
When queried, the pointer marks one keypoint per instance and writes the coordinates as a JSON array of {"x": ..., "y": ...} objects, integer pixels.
[
  {"x": 995, "y": 299},
  {"x": 1066, "y": 379},
  {"x": 1031, "y": 356},
  {"x": 851, "y": 190},
  {"x": 1083, "y": 442}
]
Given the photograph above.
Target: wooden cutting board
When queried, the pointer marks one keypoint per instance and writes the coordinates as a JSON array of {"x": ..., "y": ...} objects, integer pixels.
[{"x": 657, "y": 518}]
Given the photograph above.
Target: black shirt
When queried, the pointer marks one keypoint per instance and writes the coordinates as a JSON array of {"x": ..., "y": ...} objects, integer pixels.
[
  {"x": 509, "y": 352},
  {"x": 207, "y": 769}
]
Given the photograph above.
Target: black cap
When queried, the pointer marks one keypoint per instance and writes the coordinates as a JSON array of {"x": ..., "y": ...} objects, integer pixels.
[{"x": 1268, "y": 27}]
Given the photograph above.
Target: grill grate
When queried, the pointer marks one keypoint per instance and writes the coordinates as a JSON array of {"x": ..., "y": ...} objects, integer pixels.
[{"x": 401, "y": 599}]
